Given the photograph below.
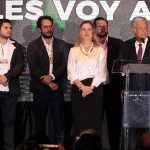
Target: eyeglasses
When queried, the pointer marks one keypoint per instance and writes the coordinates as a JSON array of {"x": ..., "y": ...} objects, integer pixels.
[{"x": 99, "y": 26}]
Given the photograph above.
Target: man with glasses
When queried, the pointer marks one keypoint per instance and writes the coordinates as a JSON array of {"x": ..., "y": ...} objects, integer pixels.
[{"x": 112, "y": 100}]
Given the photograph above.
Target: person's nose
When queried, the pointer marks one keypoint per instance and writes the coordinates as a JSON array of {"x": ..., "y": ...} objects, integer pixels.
[{"x": 9, "y": 29}]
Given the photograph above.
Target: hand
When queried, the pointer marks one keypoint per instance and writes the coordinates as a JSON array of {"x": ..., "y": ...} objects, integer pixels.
[
  {"x": 83, "y": 95},
  {"x": 46, "y": 79},
  {"x": 122, "y": 95},
  {"x": 87, "y": 89},
  {"x": 53, "y": 86},
  {"x": 5, "y": 84},
  {"x": 3, "y": 80},
  {"x": 61, "y": 147}
]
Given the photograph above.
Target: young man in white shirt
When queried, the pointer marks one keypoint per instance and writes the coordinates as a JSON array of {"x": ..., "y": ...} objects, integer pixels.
[{"x": 11, "y": 65}]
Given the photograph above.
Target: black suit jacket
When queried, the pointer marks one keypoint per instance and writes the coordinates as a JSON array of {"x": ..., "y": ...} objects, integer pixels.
[
  {"x": 39, "y": 64},
  {"x": 16, "y": 66},
  {"x": 114, "y": 45},
  {"x": 128, "y": 52}
]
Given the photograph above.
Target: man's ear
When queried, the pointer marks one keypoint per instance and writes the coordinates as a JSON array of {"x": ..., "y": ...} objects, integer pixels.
[
  {"x": 133, "y": 30},
  {"x": 39, "y": 30}
]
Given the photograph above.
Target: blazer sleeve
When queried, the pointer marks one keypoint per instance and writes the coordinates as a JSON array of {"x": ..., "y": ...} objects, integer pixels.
[
  {"x": 17, "y": 63},
  {"x": 32, "y": 61}
]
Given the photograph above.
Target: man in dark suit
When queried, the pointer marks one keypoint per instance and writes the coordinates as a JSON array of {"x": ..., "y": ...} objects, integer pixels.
[
  {"x": 47, "y": 57},
  {"x": 11, "y": 65},
  {"x": 112, "y": 100},
  {"x": 129, "y": 49},
  {"x": 137, "y": 50},
  {"x": 68, "y": 119}
]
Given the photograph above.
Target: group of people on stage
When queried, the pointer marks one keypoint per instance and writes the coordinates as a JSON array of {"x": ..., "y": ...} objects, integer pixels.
[{"x": 88, "y": 65}]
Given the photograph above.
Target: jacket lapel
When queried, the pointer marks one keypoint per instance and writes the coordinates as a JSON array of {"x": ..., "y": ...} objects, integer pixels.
[
  {"x": 43, "y": 49},
  {"x": 13, "y": 54},
  {"x": 133, "y": 55},
  {"x": 147, "y": 51},
  {"x": 55, "y": 46}
]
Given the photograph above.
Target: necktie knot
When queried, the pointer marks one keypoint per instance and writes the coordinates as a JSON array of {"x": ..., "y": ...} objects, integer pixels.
[{"x": 140, "y": 45}]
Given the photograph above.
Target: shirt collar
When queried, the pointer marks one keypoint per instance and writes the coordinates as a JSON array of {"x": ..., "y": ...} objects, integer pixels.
[
  {"x": 145, "y": 42},
  {"x": 46, "y": 42},
  {"x": 105, "y": 42},
  {"x": 9, "y": 41}
]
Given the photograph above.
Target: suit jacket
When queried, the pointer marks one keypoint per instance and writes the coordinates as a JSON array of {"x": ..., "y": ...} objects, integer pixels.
[
  {"x": 112, "y": 54},
  {"x": 38, "y": 60},
  {"x": 16, "y": 67},
  {"x": 128, "y": 52}
]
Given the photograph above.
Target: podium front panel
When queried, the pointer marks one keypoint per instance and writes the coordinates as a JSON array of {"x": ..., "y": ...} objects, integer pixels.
[
  {"x": 137, "y": 109},
  {"x": 139, "y": 82}
]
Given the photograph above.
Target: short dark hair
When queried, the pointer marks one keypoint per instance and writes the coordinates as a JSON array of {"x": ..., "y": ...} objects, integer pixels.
[
  {"x": 42, "y": 18},
  {"x": 88, "y": 141},
  {"x": 4, "y": 21},
  {"x": 100, "y": 18}
]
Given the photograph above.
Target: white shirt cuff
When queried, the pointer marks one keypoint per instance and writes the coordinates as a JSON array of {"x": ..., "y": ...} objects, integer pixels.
[{"x": 52, "y": 76}]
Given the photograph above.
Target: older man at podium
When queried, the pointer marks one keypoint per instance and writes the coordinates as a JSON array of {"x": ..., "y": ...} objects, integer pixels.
[
  {"x": 137, "y": 49},
  {"x": 137, "y": 89}
]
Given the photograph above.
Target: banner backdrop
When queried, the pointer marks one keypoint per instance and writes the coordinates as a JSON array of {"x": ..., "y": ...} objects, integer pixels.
[{"x": 68, "y": 14}]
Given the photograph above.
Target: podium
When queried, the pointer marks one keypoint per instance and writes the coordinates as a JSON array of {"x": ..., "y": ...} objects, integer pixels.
[{"x": 136, "y": 101}]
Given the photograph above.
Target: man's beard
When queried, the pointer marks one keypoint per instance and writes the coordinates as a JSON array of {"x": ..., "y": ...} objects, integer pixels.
[
  {"x": 104, "y": 34},
  {"x": 47, "y": 36}
]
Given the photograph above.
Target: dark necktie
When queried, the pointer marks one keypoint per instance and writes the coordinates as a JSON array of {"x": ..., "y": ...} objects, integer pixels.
[{"x": 139, "y": 54}]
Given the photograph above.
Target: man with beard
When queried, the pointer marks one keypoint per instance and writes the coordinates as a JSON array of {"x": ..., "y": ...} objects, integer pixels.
[
  {"x": 47, "y": 58},
  {"x": 112, "y": 99}
]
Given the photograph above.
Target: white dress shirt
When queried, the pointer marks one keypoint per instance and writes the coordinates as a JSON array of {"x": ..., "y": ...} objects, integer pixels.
[
  {"x": 49, "y": 49},
  {"x": 105, "y": 47},
  {"x": 6, "y": 52},
  {"x": 91, "y": 65},
  {"x": 143, "y": 46}
]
